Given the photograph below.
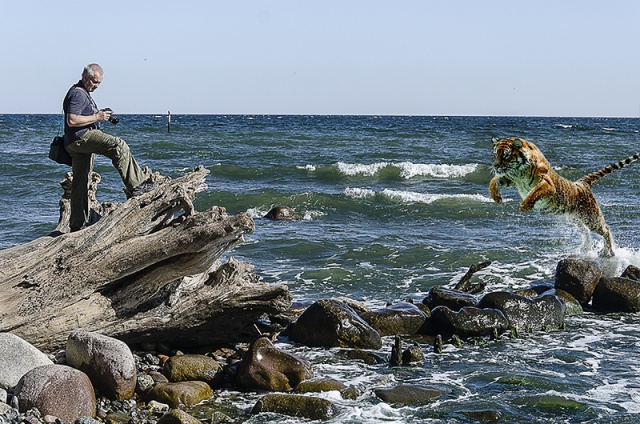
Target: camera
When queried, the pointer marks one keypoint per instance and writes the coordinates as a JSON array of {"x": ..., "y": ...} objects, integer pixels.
[{"x": 114, "y": 120}]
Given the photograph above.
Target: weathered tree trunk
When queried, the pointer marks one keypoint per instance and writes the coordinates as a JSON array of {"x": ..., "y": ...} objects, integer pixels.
[{"x": 146, "y": 271}]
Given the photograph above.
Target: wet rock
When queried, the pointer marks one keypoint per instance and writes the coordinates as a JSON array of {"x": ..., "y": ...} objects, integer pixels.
[
  {"x": 396, "y": 356},
  {"x": 579, "y": 277},
  {"x": 300, "y": 406},
  {"x": 57, "y": 390},
  {"x": 413, "y": 354},
  {"x": 144, "y": 383},
  {"x": 469, "y": 321},
  {"x": 180, "y": 394},
  {"x": 264, "y": 367},
  {"x": 541, "y": 313},
  {"x": 282, "y": 213},
  {"x": 318, "y": 385},
  {"x": 193, "y": 368},
  {"x": 108, "y": 362},
  {"x": 177, "y": 416},
  {"x": 400, "y": 318},
  {"x": 410, "y": 394},
  {"x": 332, "y": 323},
  {"x": 17, "y": 357},
  {"x": 571, "y": 304},
  {"x": 370, "y": 358},
  {"x": 452, "y": 299},
  {"x": 486, "y": 416},
  {"x": 617, "y": 294},
  {"x": 631, "y": 272}
]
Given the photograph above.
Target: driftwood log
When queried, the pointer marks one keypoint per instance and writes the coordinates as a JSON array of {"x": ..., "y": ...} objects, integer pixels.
[{"x": 147, "y": 270}]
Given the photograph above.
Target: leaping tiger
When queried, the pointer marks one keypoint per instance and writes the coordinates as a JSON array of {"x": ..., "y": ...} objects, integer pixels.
[{"x": 519, "y": 164}]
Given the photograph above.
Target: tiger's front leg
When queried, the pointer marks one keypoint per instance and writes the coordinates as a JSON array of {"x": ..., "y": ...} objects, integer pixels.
[
  {"x": 494, "y": 190},
  {"x": 544, "y": 189}
]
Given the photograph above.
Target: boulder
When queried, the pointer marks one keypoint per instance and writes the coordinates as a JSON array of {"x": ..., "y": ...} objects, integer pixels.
[
  {"x": 317, "y": 385},
  {"x": 300, "y": 406},
  {"x": 108, "y": 362},
  {"x": 579, "y": 277},
  {"x": 264, "y": 367},
  {"x": 410, "y": 394},
  {"x": 282, "y": 213},
  {"x": 177, "y": 416},
  {"x": 180, "y": 394},
  {"x": 631, "y": 272},
  {"x": 617, "y": 294},
  {"x": 327, "y": 384},
  {"x": 331, "y": 323},
  {"x": 411, "y": 355},
  {"x": 57, "y": 390},
  {"x": 193, "y": 368},
  {"x": 540, "y": 313},
  {"x": 400, "y": 318},
  {"x": 17, "y": 357},
  {"x": 469, "y": 321},
  {"x": 451, "y": 298}
]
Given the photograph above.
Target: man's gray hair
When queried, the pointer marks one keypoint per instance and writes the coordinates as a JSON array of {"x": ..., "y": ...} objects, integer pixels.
[{"x": 91, "y": 70}]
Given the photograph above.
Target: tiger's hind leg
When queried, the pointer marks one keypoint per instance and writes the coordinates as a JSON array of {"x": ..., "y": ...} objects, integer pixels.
[{"x": 607, "y": 237}]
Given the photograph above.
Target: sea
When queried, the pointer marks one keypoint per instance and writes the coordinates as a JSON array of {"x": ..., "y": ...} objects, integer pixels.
[{"x": 391, "y": 206}]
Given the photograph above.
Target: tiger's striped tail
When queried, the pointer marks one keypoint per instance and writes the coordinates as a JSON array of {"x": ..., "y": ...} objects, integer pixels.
[{"x": 592, "y": 178}]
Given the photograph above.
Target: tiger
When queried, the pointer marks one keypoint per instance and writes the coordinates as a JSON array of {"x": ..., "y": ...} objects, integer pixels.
[{"x": 518, "y": 163}]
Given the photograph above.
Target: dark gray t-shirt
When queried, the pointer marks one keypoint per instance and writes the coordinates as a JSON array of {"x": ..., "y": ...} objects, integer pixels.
[{"x": 79, "y": 102}]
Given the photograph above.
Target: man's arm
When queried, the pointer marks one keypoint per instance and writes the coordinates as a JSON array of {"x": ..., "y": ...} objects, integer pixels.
[{"x": 74, "y": 120}]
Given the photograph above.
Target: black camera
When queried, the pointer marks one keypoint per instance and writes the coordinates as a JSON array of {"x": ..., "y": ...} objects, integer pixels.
[{"x": 114, "y": 120}]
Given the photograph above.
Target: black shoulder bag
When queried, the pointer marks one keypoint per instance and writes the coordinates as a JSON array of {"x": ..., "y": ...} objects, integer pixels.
[{"x": 57, "y": 151}]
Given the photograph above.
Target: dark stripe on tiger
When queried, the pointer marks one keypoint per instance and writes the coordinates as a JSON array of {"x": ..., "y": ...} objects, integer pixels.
[{"x": 592, "y": 178}]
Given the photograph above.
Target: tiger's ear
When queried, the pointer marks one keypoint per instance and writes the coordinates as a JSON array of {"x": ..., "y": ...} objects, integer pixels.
[
  {"x": 495, "y": 140},
  {"x": 517, "y": 143}
]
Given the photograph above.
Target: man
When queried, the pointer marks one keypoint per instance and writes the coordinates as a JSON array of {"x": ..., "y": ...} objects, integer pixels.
[{"x": 83, "y": 139}]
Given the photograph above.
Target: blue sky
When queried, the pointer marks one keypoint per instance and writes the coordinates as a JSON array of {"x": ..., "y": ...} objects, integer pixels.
[{"x": 490, "y": 57}]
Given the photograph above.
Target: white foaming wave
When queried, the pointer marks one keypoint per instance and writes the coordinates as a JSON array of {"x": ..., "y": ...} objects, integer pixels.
[
  {"x": 359, "y": 193},
  {"x": 408, "y": 169},
  {"x": 413, "y": 197},
  {"x": 358, "y": 168},
  {"x": 307, "y": 167}
]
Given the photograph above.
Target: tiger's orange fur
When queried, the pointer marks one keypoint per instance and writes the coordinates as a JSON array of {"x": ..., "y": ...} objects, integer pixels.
[{"x": 521, "y": 165}]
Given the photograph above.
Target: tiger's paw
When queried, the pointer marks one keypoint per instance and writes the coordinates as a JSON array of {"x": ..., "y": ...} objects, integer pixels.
[{"x": 525, "y": 207}]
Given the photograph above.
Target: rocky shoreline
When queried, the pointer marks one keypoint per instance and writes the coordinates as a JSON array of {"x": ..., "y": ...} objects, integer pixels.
[{"x": 99, "y": 379}]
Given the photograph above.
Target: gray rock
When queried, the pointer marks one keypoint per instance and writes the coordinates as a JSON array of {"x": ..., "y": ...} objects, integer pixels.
[
  {"x": 17, "y": 357},
  {"x": 57, "y": 390},
  {"x": 332, "y": 323},
  {"x": 264, "y": 367},
  {"x": 180, "y": 394},
  {"x": 617, "y": 295},
  {"x": 631, "y": 272},
  {"x": 282, "y": 213},
  {"x": 193, "y": 368},
  {"x": 176, "y": 416},
  {"x": 467, "y": 322},
  {"x": 300, "y": 406},
  {"x": 543, "y": 312},
  {"x": 397, "y": 319},
  {"x": 410, "y": 394},
  {"x": 451, "y": 298},
  {"x": 108, "y": 362},
  {"x": 579, "y": 277}
]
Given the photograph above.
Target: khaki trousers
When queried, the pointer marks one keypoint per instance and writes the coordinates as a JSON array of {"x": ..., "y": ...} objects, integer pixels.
[{"x": 82, "y": 151}]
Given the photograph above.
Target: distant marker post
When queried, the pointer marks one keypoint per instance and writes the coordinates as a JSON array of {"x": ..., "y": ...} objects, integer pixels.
[{"x": 169, "y": 121}]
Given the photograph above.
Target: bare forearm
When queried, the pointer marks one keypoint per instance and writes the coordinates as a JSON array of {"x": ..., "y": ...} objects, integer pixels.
[{"x": 74, "y": 120}]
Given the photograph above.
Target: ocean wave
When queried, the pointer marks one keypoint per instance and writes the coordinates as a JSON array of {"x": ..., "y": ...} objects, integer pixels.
[
  {"x": 411, "y": 196},
  {"x": 408, "y": 170}
]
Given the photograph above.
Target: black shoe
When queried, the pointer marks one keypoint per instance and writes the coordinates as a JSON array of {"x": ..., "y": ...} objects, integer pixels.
[{"x": 143, "y": 188}]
